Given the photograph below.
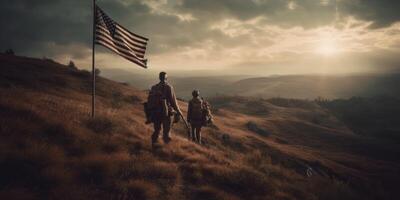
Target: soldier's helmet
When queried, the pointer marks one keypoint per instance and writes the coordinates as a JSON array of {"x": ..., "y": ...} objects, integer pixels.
[
  {"x": 195, "y": 93},
  {"x": 163, "y": 76}
]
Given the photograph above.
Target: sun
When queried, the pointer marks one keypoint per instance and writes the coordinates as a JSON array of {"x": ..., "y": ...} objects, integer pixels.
[
  {"x": 328, "y": 47},
  {"x": 327, "y": 43}
]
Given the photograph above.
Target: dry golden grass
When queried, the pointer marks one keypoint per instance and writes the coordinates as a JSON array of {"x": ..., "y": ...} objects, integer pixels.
[{"x": 50, "y": 148}]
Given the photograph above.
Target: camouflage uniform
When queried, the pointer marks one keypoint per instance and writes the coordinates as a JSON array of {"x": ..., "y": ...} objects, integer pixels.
[{"x": 161, "y": 119}]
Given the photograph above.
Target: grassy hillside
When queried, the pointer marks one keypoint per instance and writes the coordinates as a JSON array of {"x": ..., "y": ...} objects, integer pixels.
[
  {"x": 376, "y": 117},
  {"x": 51, "y": 149}
]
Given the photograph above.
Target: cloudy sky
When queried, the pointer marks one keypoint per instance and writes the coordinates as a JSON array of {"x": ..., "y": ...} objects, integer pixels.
[{"x": 225, "y": 36}]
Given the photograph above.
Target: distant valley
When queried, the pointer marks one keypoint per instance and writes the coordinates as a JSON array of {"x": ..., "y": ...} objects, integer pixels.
[{"x": 285, "y": 86}]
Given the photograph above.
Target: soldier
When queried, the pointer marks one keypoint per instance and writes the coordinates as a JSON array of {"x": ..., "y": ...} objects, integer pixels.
[
  {"x": 162, "y": 101},
  {"x": 196, "y": 115}
]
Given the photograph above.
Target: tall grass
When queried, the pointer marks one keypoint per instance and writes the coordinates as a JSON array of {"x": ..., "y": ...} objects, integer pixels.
[{"x": 51, "y": 149}]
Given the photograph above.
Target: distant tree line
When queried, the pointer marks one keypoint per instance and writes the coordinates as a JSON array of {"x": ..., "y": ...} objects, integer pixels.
[
  {"x": 9, "y": 52},
  {"x": 72, "y": 65}
]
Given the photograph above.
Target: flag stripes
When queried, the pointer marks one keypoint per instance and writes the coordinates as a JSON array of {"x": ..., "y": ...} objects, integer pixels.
[
  {"x": 120, "y": 50},
  {"x": 103, "y": 33},
  {"x": 120, "y": 40},
  {"x": 123, "y": 33},
  {"x": 130, "y": 58}
]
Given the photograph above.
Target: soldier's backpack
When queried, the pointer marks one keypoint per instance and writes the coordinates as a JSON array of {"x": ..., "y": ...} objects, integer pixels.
[
  {"x": 207, "y": 116},
  {"x": 197, "y": 110},
  {"x": 156, "y": 105}
]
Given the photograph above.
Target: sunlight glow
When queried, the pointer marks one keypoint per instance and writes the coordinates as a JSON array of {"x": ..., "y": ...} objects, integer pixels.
[{"x": 328, "y": 47}]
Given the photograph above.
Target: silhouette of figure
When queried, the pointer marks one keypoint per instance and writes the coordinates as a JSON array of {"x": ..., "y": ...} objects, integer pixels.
[
  {"x": 195, "y": 116},
  {"x": 164, "y": 105}
]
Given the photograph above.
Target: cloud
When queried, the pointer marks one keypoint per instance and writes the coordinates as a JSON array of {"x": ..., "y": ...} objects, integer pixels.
[
  {"x": 30, "y": 26},
  {"x": 382, "y": 13},
  {"x": 308, "y": 13},
  {"x": 207, "y": 33},
  {"x": 305, "y": 13}
]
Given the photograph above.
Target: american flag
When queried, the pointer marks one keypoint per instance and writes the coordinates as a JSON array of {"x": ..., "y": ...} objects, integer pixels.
[{"x": 120, "y": 40}]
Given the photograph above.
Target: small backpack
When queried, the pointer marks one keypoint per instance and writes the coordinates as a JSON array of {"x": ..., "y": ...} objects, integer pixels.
[
  {"x": 157, "y": 102},
  {"x": 207, "y": 116},
  {"x": 197, "y": 110}
]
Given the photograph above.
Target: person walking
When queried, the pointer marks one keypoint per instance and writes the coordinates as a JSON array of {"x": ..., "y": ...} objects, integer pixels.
[
  {"x": 195, "y": 116},
  {"x": 163, "y": 105}
]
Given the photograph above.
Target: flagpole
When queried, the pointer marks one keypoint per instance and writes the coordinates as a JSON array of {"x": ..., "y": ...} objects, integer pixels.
[{"x": 93, "y": 60}]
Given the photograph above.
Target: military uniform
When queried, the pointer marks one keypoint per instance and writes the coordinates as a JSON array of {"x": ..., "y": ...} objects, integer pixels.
[
  {"x": 195, "y": 117},
  {"x": 162, "y": 116}
]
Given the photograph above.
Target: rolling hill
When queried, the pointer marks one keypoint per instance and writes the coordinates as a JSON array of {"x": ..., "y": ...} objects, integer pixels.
[
  {"x": 314, "y": 86},
  {"x": 307, "y": 86},
  {"x": 184, "y": 83},
  {"x": 50, "y": 148}
]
